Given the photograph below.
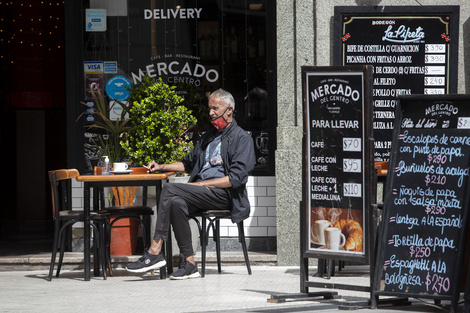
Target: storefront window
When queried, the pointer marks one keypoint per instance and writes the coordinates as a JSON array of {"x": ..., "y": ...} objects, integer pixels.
[{"x": 198, "y": 46}]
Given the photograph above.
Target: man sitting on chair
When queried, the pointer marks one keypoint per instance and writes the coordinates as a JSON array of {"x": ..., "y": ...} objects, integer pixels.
[{"x": 219, "y": 165}]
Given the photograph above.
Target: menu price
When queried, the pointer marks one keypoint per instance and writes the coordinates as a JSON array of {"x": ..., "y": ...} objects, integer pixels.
[
  {"x": 425, "y": 211},
  {"x": 411, "y": 51},
  {"x": 352, "y": 165},
  {"x": 352, "y": 144},
  {"x": 352, "y": 190}
]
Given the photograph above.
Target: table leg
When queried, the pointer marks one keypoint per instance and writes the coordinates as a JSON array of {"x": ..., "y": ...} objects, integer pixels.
[
  {"x": 96, "y": 258},
  {"x": 86, "y": 230}
]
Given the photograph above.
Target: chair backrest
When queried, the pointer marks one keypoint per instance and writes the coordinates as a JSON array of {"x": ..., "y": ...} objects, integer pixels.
[
  {"x": 61, "y": 189},
  {"x": 382, "y": 168},
  {"x": 124, "y": 196}
]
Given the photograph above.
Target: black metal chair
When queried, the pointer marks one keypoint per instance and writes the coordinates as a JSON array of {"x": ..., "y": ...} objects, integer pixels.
[
  {"x": 124, "y": 208},
  {"x": 213, "y": 218},
  {"x": 65, "y": 217}
]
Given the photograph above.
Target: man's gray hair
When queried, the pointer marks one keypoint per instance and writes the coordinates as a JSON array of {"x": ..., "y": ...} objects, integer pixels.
[{"x": 224, "y": 96}]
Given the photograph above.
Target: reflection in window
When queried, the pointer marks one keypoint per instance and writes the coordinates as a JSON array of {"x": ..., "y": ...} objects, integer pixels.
[{"x": 199, "y": 46}]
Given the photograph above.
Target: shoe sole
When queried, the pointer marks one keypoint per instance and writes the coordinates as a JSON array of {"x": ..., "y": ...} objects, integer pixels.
[
  {"x": 148, "y": 268},
  {"x": 193, "y": 275}
]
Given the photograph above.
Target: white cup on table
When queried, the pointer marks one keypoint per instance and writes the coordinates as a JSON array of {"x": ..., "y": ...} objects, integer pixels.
[{"x": 120, "y": 167}]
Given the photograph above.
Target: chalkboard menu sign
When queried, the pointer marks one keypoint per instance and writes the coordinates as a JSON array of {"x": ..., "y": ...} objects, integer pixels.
[
  {"x": 338, "y": 151},
  {"x": 414, "y": 50},
  {"x": 424, "y": 219}
]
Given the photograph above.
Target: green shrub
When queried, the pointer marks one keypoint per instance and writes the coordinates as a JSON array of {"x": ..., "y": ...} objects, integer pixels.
[
  {"x": 158, "y": 125},
  {"x": 192, "y": 100}
]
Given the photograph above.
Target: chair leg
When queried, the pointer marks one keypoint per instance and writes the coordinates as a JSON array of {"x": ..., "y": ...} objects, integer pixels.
[
  {"x": 96, "y": 248},
  {"x": 241, "y": 236},
  {"x": 107, "y": 246},
  {"x": 340, "y": 265},
  {"x": 330, "y": 269},
  {"x": 199, "y": 227},
  {"x": 54, "y": 249},
  {"x": 204, "y": 236},
  {"x": 321, "y": 267},
  {"x": 99, "y": 254},
  {"x": 216, "y": 231},
  {"x": 62, "y": 248},
  {"x": 68, "y": 239},
  {"x": 103, "y": 248}
]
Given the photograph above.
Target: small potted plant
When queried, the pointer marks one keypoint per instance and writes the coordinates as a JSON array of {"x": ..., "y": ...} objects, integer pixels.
[{"x": 109, "y": 132}]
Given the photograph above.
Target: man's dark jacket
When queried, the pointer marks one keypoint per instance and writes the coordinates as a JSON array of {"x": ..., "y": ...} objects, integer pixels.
[{"x": 239, "y": 159}]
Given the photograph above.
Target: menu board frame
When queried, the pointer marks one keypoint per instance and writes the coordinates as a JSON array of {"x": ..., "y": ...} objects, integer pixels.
[
  {"x": 421, "y": 116},
  {"x": 337, "y": 107},
  {"x": 395, "y": 39}
]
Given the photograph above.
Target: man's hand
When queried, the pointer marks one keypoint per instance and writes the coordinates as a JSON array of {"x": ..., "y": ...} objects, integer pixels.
[{"x": 153, "y": 166}]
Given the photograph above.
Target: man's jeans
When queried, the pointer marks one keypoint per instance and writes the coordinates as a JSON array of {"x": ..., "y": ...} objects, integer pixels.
[{"x": 177, "y": 201}]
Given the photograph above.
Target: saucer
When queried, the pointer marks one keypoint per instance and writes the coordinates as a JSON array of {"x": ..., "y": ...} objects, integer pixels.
[
  {"x": 122, "y": 172},
  {"x": 317, "y": 243},
  {"x": 325, "y": 248}
]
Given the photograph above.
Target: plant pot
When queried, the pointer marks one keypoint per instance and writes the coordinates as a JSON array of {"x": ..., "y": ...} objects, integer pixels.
[
  {"x": 178, "y": 179},
  {"x": 124, "y": 237}
]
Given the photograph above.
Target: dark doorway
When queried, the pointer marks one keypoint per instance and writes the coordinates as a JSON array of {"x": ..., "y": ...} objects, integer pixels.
[{"x": 32, "y": 119}]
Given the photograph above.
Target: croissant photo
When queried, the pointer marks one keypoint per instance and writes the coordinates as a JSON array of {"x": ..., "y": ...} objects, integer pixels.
[{"x": 352, "y": 230}]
